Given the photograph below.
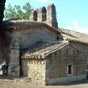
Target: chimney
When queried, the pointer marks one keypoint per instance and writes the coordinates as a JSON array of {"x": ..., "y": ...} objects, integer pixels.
[
  {"x": 51, "y": 16},
  {"x": 41, "y": 14},
  {"x": 33, "y": 16}
]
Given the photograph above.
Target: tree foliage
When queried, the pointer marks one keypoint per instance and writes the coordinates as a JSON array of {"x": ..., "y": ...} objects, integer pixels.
[{"x": 18, "y": 12}]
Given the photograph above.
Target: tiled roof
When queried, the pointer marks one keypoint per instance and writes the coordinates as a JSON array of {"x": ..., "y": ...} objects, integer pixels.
[
  {"x": 18, "y": 25},
  {"x": 79, "y": 41},
  {"x": 74, "y": 36},
  {"x": 43, "y": 51}
]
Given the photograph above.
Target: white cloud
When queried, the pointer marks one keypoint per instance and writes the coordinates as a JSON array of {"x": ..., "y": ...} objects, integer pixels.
[
  {"x": 75, "y": 23},
  {"x": 76, "y": 26},
  {"x": 42, "y": 1}
]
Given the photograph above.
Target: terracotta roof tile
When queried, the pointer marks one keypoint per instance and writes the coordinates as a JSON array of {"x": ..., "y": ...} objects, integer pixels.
[
  {"x": 45, "y": 50},
  {"x": 74, "y": 36}
]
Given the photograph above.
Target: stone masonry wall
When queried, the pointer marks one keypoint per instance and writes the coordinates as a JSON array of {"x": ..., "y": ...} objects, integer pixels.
[
  {"x": 82, "y": 47},
  {"x": 29, "y": 37},
  {"x": 56, "y": 66},
  {"x": 4, "y": 47},
  {"x": 26, "y": 39},
  {"x": 34, "y": 70},
  {"x": 1, "y": 52}
]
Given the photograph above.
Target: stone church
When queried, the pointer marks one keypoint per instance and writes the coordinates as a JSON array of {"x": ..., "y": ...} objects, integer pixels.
[{"x": 37, "y": 48}]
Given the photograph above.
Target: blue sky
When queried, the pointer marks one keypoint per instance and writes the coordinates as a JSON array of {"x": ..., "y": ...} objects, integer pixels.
[{"x": 71, "y": 14}]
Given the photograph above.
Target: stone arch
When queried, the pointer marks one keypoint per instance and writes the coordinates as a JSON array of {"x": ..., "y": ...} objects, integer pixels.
[
  {"x": 33, "y": 16},
  {"x": 42, "y": 14}
]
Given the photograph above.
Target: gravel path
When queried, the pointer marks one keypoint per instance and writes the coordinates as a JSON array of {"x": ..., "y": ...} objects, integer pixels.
[{"x": 26, "y": 83}]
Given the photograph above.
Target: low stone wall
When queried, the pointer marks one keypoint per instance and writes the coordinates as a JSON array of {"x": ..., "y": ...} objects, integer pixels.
[
  {"x": 65, "y": 80},
  {"x": 34, "y": 70}
]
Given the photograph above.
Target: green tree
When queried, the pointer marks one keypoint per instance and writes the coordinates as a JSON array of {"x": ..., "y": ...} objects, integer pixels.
[{"x": 18, "y": 12}]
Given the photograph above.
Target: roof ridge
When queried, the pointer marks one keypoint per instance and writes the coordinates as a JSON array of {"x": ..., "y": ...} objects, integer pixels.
[
  {"x": 45, "y": 51},
  {"x": 62, "y": 44}
]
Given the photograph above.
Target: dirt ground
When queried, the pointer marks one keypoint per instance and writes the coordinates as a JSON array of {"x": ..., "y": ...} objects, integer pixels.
[{"x": 26, "y": 83}]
